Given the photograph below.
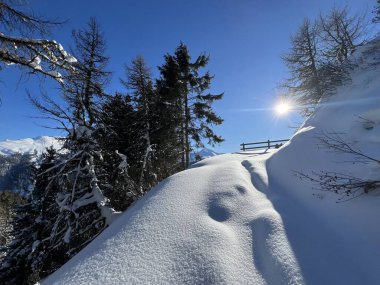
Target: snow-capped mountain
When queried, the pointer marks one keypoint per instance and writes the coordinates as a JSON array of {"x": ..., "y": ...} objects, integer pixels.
[
  {"x": 202, "y": 154},
  {"x": 39, "y": 144},
  {"x": 28, "y": 145}
]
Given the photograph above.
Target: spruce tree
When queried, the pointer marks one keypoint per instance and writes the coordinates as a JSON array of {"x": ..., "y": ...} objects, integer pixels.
[
  {"x": 168, "y": 109},
  {"x": 140, "y": 86},
  {"x": 182, "y": 89},
  {"x": 120, "y": 136}
]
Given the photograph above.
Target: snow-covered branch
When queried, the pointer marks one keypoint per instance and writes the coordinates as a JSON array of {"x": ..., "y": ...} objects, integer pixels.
[{"x": 39, "y": 55}]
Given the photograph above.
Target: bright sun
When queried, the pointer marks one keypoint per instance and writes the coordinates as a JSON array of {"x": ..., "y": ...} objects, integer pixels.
[{"x": 282, "y": 108}]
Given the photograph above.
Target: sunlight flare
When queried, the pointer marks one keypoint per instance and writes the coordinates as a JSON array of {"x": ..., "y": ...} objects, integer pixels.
[{"x": 282, "y": 108}]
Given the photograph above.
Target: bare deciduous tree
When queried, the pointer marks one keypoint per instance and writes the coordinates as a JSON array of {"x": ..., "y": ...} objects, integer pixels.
[
  {"x": 341, "y": 33},
  {"x": 317, "y": 57},
  {"x": 303, "y": 60}
]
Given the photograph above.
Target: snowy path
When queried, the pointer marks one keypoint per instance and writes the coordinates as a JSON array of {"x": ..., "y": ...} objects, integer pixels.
[{"x": 222, "y": 222}]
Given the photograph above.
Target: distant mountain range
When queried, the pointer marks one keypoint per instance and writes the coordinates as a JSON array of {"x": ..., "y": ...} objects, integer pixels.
[
  {"x": 28, "y": 145},
  {"x": 39, "y": 144}
]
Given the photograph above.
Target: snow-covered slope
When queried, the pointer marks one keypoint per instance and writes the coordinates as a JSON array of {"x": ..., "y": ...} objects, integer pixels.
[
  {"x": 247, "y": 219},
  {"x": 28, "y": 145},
  {"x": 206, "y": 225}
]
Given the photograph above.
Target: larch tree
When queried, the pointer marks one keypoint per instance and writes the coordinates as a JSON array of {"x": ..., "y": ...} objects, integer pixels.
[
  {"x": 317, "y": 59},
  {"x": 341, "y": 34},
  {"x": 83, "y": 208},
  {"x": 303, "y": 59},
  {"x": 20, "y": 46}
]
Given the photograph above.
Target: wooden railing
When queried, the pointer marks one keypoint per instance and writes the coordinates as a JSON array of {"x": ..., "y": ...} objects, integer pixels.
[{"x": 266, "y": 144}]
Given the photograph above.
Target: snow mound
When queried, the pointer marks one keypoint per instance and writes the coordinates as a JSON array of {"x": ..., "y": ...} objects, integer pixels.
[
  {"x": 206, "y": 225},
  {"x": 28, "y": 145}
]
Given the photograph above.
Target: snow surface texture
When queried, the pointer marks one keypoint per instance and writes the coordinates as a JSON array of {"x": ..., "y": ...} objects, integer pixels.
[
  {"x": 28, "y": 145},
  {"x": 245, "y": 218},
  {"x": 207, "y": 225}
]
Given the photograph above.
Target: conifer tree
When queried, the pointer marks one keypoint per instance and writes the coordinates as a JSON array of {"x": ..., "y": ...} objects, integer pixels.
[
  {"x": 318, "y": 56},
  {"x": 83, "y": 208},
  {"x": 303, "y": 61},
  {"x": 341, "y": 34},
  {"x": 118, "y": 137},
  {"x": 140, "y": 85},
  {"x": 83, "y": 173},
  {"x": 17, "y": 266},
  {"x": 182, "y": 89},
  {"x": 168, "y": 109}
]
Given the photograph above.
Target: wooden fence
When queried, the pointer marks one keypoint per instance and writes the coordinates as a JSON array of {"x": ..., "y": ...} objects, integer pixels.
[{"x": 266, "y": 144}]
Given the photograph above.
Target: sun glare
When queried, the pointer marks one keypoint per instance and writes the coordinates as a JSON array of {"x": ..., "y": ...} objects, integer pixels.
[{"x": 282, "y": 108}]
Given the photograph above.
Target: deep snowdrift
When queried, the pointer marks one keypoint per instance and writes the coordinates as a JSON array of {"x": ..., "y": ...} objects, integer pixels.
[{"x": 247, "y": 219}]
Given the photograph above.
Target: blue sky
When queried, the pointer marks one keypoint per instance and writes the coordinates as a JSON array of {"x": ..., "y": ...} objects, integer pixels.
[{"x": 244, "y": 38}]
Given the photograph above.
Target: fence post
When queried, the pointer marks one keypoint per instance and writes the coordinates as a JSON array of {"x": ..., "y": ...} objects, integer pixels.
[
  {"x": 243, "y": 146},
  {"x": 268, "y": 143}
]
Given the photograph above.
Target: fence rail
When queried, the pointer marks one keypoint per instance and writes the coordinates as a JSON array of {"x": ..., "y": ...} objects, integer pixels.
[{"x": 265, "y": 144}]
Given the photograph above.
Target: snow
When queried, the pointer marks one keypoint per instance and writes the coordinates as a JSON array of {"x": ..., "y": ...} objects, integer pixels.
[
  {"x": 56, "y": 75},
  {"x": 245, "y": 218},
  {"x": 28, "y": 145},
  {"x": 202, "y": 153},
  {"x": 36, "y": 63}
]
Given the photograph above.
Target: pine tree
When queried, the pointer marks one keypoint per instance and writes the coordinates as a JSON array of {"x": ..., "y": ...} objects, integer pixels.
[{"x": 182, "y": 89}]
